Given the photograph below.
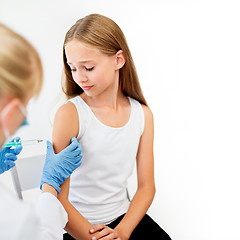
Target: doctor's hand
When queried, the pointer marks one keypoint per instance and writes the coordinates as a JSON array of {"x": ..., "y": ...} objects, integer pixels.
[
  {"x": 8, "y": 156},
  {"x": 58, "y": 167}
]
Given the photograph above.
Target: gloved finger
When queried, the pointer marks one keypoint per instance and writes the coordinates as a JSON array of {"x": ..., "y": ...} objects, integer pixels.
[
  {"x": 77, "y": 158},
  {"x": 17, "y": 149},
  {"x": 74, "y": 139},
  {"x": 78, "y": 163},
  {"x": 9, "y": 163},
  {"x": 3, "y": 151},
  {"x": 49, "y": 147},
  {"x": 10, "y": 156},
  {"x": 6, "y": 149},
  {"x": 16, "y": 139},
  {"x": 76, "y": 152},
  {"x": 72, "y": 146},
  {"x": 77, "y": 142}
]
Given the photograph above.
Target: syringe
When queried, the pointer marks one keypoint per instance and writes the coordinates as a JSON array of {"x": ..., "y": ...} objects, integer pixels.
[{"x": 23, "y": 143}]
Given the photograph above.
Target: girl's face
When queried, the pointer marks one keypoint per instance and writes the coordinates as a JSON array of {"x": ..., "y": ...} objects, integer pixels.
[{"x": 92, "y": 70}]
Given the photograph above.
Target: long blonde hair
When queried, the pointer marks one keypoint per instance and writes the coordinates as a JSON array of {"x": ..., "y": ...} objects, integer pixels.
[
  {"x": 103, "y": 33},
  {"x": 21, "y": 73}
]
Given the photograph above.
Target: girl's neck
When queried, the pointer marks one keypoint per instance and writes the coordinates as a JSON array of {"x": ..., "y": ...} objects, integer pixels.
[{"x": 109, "y": 100}]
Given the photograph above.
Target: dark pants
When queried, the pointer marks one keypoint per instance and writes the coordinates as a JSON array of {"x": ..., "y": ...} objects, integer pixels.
[{"x": 147, "y": 229}]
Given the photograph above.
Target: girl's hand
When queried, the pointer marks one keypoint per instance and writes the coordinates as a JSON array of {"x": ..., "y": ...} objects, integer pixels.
[{"x": 102, "y": 232}]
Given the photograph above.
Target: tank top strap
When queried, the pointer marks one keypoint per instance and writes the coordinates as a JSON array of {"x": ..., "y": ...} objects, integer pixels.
[
  {"x": 137, "y": 114},
  {"x": 83, "y": 114}
]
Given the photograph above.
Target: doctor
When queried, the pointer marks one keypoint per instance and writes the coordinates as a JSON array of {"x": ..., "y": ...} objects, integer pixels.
[{"x": 21, "y": 78}]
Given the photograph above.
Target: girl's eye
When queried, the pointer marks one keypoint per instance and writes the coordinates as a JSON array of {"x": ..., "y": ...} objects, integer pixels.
[
  {"x": 73, "y": 70},
  {"x": 89, "y": 69}
]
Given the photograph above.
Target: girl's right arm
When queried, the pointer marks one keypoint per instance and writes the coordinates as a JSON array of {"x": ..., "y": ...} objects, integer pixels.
[{"x": 65, "y": 127}]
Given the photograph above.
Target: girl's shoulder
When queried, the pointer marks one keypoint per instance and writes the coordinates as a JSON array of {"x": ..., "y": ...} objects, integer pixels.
[
  {"x": 148, "y": 116},
  {"x": 69, "y": 107},
  {"x": 65, "y": 122},
  {"x": 66, "y": 114},
  {"x": 66, "y": 109},
  {"x": 146, "y": 109}
]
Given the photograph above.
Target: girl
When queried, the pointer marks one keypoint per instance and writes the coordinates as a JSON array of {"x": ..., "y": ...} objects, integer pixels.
[{"x": 108, "y": 114}]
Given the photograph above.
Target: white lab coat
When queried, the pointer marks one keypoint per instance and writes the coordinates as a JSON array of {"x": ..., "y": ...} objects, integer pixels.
[{"x": 21, "y": 221}]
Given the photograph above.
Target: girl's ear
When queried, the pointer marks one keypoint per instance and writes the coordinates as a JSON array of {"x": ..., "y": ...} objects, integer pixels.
[{"x": 120, "y": 59}]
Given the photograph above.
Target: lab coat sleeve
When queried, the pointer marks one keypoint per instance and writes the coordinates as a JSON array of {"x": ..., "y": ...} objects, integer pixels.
[{"x": 52, "y": 217}]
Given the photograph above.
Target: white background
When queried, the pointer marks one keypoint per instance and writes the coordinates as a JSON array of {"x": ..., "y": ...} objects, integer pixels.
[{"x": 187, "y": 54}]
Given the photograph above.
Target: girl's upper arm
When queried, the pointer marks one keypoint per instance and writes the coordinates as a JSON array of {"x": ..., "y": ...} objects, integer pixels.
[
  {"x": 65, "y": 127},
  {"x": 145, "y": 158}
]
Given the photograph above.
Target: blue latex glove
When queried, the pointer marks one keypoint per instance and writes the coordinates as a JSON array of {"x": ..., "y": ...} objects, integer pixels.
[
  {"x": 8, "y": 156},
  {"x": 58, "y": 167}
]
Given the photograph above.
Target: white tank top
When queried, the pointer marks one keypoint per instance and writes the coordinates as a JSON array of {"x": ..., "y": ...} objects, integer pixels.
[{"x": 98, "y": 188}]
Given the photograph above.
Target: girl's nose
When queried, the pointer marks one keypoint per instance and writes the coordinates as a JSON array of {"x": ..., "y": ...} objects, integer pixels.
[{"x": 81, "y": 78}]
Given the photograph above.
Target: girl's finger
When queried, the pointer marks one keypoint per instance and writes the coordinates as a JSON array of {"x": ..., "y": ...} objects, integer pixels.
[
  {"x": 105, "y": 232},
  {"x": 110, "y": 236},
  {"x": 97, "y": 227}
]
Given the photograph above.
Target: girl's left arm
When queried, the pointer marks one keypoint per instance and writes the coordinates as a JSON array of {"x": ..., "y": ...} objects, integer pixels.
[{"x": 145, "y": 176}]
